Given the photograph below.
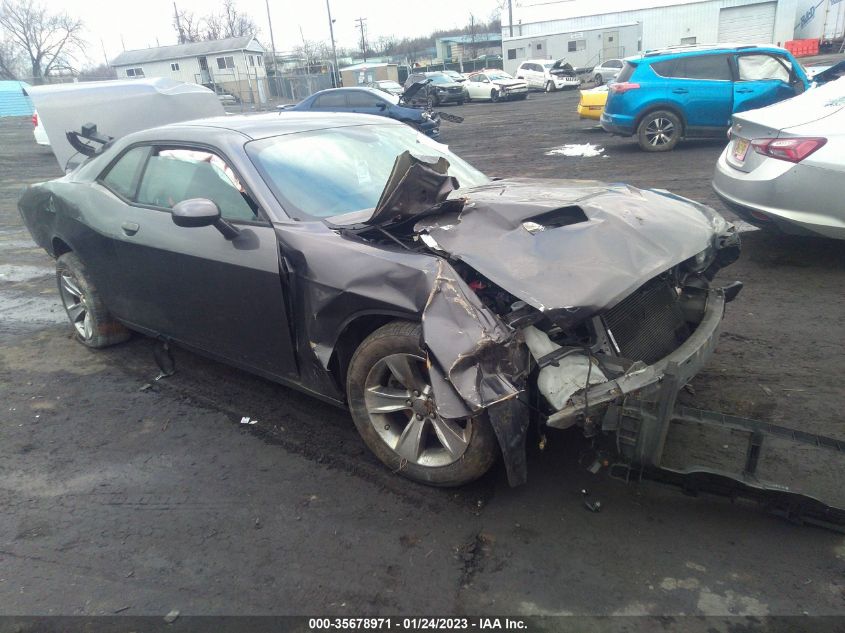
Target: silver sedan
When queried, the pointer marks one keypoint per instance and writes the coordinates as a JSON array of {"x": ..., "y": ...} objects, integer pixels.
[{"x": 784, "y": 167}]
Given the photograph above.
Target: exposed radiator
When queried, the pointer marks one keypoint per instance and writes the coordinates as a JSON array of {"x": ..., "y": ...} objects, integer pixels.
[{"x": 648, "y": 324}]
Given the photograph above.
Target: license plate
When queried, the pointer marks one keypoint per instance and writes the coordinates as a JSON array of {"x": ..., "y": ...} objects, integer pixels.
[{"x": 740, "y": 149}]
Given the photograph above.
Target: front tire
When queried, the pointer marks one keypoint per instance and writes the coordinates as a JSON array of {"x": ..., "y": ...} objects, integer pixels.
[
  {"x": 494, "y": 96},
  {"x": 389, "y": 394},
  {"x": 598, "y": 80},
  {"x": 431, "y": 101},
  {"x": 659, "y": 131},
  {"x": 550, "y": 86},
  {"x": 92, "y": 324}
]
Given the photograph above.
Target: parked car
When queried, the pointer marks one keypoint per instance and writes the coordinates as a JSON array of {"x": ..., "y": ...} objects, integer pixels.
[
  {"x": 440, "y": 90},
  {"x": 671, "y": 94},
  {"x": 369, "y": 101},
  {"x": 494, "y": 85},
  {"x": 455, "y": 76},
  {"x": 547, "y": 74},
  {"x": 591, "y": 102},
  {"x": 38, "y": 130},
  {"x": 387, "y": 85},
  {"x": 354, "y": 258},
  {"x": 607, "y": 71},
  {"x": 784, "y": 167}
]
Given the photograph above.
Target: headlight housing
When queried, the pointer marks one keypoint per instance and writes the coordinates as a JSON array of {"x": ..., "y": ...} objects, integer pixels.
[{"x": 701, "y": 261}]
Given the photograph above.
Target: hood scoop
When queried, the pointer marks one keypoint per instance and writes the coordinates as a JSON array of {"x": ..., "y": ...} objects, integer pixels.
[{"x": 555, "y": 219}]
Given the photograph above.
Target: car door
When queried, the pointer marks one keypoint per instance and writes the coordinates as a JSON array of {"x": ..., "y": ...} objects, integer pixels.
[
  {"x": 478, "y": 86},
  {"x": 702, "y": 87},
  {"x": 330, "y": 101},
  {"x": 365, "y": 102},
  {"x": 524, "y": 73},
  {"x": 761, "y": 79},
  {"x": 192, "y": 285}
]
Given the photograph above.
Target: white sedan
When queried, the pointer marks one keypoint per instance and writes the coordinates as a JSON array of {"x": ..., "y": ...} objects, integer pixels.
[{"x": 494, "y": 85}]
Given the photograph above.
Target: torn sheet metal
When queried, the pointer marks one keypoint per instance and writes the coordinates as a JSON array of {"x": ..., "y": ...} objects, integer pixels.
[
  {"x": 476, "y": 352},
  {"x": 616, "y": 238},
  {"x": 414, "y": 187},
  {"x": 117, "y": 108}
]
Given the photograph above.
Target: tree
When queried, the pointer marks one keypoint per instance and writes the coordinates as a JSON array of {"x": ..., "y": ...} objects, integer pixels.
[
  {"x": 48, "y": 40},
  {"x": 235, "y": 23},
  {"x": 187, "y": 27},
  {"x": 10, "y": 60}
]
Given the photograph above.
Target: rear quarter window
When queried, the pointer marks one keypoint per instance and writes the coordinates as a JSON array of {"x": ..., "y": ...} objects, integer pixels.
[
  {"x": 122, "y": 177},
  {"x": 627, "y": 70}
]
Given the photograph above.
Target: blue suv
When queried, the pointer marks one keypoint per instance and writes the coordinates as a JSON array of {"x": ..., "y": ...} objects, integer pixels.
[{"x": 691, "y": 92}]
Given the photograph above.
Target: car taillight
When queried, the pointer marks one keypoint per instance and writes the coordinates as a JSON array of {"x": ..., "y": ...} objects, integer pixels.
[
  {"x": 625, "y": 86},
  {"x": 793, "y": 150},
  {"x": 34, "y": 119}
]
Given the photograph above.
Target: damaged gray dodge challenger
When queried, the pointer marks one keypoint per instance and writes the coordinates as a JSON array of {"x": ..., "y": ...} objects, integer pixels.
[{"x": 356, "y": 259}]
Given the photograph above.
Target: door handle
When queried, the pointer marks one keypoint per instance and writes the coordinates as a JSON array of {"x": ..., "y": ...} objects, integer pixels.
[
  {"x": 744, "y": 90},
  {"x": 130, "y": 228},
  {"x": 680, "y": 91}
]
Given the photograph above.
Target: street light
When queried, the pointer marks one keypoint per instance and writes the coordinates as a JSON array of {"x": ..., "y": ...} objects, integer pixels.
[{"x": 335, "y": 73}]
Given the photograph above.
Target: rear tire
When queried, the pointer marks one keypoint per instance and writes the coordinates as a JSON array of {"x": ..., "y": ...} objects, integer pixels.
[
  {"x": 387, "y": 371},
  {"x": 659, "y": 131},
  {"x": 93, "y": 326}
]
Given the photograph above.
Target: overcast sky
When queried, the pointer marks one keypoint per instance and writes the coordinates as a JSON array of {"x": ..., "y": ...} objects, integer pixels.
[{"x": 144, "y": 23}]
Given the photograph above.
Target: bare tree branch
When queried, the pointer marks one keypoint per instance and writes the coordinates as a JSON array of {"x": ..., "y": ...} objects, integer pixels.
[{"x": 49, "y": 40}]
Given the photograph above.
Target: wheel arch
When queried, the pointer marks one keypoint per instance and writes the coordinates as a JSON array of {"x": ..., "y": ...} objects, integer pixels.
[
  {"x": 59, "y": 247},
  {"x": 655, "y": 107},
  {"x": 353, "y": 332}
]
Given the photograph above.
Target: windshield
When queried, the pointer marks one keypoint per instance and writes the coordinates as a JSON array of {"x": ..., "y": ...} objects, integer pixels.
[
  {"x": 330, "y": 172},
  {"x": 549, "y": 65},
  {"x": 440, "y": 79}
]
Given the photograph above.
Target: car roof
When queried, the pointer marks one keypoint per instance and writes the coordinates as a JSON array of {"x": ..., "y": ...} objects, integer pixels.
[
  {"x": 538, "y": 61},
  {"x": 257, "y": 126},
  {"x": 671, "y": 52}
]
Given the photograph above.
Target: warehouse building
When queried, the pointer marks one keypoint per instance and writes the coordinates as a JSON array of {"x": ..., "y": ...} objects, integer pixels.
[{"x": 585, "y": 32}]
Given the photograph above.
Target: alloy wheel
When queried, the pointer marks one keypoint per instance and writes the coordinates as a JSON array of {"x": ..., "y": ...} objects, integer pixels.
[
  {"x": 76, "y": 306},
  {"x": 659, "y": 132},
  {"x": 400, "y": 404}
]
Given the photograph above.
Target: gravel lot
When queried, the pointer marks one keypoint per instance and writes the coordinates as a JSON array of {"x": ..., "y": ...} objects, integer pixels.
[{"x": 139, "y": 502}]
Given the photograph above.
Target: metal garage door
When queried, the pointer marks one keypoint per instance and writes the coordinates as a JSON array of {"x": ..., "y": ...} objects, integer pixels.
[{"x": 748, "y": 24}]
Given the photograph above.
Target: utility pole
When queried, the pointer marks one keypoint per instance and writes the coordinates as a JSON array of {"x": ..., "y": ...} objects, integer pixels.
[
  {"x": 273, "y": 49},
  {"x": 178, "y": 23},
  {"x": 360, "y": 22},
  {"x": 510, "y": 17},
  {"x": 335, "y": 73},
  {"x": 105, "y": 57}
]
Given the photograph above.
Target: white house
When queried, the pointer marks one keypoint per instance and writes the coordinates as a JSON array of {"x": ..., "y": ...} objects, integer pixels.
[{"x": 234, "y": 65}]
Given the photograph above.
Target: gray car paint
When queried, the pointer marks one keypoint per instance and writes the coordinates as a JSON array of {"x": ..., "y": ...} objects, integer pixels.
[{"x": 280, "y": 279}]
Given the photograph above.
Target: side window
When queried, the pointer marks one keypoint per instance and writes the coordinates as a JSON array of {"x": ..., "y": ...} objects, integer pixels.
[
  {"x": 174, "y": 175},
  {"x": 331, "y": 100},
  {"x": 714, "y": 67},
  {"x": 481, "y": 78},
  {"x": 615, "y": 63},
  {"x": 665, "y": 68},
  {"x": 358, "y": 99},
  {"x": 762, "y": 67},
  {"x": 122, "y": 177}
]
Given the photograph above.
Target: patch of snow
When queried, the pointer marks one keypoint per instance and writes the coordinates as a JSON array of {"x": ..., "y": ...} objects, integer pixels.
[{"x": 586, "y": 150}]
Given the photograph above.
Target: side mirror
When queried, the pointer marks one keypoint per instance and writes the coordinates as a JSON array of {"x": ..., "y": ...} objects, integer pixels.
[
  {"x": 195, "y": 212},
  {"x": 198, "y": 212}
]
